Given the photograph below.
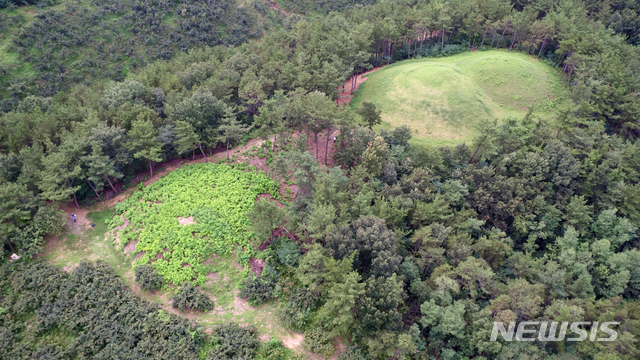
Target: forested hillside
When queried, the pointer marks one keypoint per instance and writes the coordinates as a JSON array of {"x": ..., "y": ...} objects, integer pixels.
[
  {"x": 385, "y": 250},
  {"x": 81, "y": 42}
]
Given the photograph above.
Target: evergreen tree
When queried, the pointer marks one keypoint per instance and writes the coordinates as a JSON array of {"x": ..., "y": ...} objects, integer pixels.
[{"x": 143, "y": 142}]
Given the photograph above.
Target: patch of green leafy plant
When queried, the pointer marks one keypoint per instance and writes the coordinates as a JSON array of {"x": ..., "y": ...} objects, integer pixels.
[{"x": 216, "y": 196}]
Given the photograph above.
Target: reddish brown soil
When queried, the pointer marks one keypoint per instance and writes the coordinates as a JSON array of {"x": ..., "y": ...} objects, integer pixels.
[
  {"x": 347, "y": 94},
  {"x": 256, "y": 265}
]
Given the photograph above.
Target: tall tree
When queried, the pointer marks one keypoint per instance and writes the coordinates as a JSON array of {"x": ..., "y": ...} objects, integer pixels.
[
  {"x": 100, "y": 168},
  {"x": 370, "y": 115},
  {"x": 62, "y": 165},
  {"x": 265, "y": 217},
  {"x": 340, "y": 308},
  {"x": 187, "y": 139},
  {"x": 204, "y": 112},
  {"x": 231, "y": 129},
  {"x": 143, "y": 142}
]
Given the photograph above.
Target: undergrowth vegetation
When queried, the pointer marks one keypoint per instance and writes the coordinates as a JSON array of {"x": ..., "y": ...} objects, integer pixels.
[
  {"x": 82, "y": 42},
  {"x": 46, "y": 313},
  {"x": 216, "y": 197}
]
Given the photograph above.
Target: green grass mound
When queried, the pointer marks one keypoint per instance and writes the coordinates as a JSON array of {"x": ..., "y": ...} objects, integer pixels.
[
  {"x": 189, "y": 215},
  {"x": 442, "y": 99}
]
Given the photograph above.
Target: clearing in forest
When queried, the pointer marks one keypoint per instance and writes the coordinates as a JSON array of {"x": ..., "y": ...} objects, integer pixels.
[
  {"x": 441, "y": 99},
  {"x": 190, "y": 215}
]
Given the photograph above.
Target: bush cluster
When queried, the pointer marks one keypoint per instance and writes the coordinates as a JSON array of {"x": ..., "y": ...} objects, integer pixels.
[
  {"x": 190, "y": 298},
  {"x": 148, "y": 278},
  {"x": 257, "y": 290}
]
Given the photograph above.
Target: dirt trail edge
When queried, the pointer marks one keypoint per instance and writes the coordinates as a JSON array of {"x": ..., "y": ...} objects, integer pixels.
[{"x": 347, "y": 95}]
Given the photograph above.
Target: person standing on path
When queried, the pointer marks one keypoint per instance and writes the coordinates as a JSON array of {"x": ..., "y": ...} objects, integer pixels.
[{"x": 73, "y": 216}]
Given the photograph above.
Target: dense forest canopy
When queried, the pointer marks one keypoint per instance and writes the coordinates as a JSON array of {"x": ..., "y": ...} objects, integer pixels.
[{"x": 402, "y": 252}]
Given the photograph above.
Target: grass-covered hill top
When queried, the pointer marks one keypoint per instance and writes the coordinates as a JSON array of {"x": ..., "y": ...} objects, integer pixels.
[
  {"x": 441, "y": 99},
  {"x": 46, "y": 49}
]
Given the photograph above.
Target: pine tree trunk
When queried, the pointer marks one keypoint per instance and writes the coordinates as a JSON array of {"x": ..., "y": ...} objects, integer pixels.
[
  {"x": 326, "y": 149},
  {"x": 501, "y": 37},
  {"x": 514, "y": 39},
  {"x": 495, "y": 32},
  {"x": 484, "y": 35},
  {"x": 442, "y": 47},
  {"x": 227, "y": 149},
  {"x": 150, "y": 168},
  {"x": 111, "y": 184},
  {"x": 92, "y": 188},
  {"x": 315, "y": 133},
  {"x": 11, "y": 246},
  {"x": 544, "y": 43},
  {"x": 203, "y": 154},
  {"x": 75, "y": 199}
]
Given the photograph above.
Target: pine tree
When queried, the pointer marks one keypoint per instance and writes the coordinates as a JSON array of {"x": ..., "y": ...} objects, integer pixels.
[
  {"x": 99, "y": 168},
  {"x": 231, "y": 129},
  {"x": 143, "y": 142},
  {"x": 340, "y": 308},
  {"x": 187, "y": 139}
]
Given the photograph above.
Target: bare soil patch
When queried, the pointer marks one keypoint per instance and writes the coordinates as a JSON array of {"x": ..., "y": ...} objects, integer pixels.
[
  {"x": 256, "y": 265},
  {"x": 240, "y": 305},
  {"x": 130, "y": 247},
  {"x": 186, "y": 220},
  {"x": 70, "y": 268}
]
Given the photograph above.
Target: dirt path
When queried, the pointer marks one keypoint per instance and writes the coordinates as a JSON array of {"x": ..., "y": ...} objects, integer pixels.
[
  {"x": 347, "y": 94},
  {"x": 274, "y": 4}
]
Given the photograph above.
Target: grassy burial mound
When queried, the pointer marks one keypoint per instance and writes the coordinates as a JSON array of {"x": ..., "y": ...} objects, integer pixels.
[
  {"x": 442, "y": 99},
  {"x": 187, "y": 216}
]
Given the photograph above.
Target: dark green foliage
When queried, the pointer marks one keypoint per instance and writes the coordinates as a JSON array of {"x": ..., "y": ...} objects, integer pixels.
[
  {"x": 148, "y": 278},
  {"x": 287, "y": 251},
  {"x": 190, "y": 298},
  {"x": 257, "y": 290},
  {"x": 370, "y": 116},
  {"x": 88, "y": 314},
  {"x": 379, "y": 306},
  {"x": 80, "y": 44},
  {"x": 296, "y": 312},
  {"x": 375, "y": 244},
  {"x": 317, "y": 340},
  {"x": 406, "y": 252},
  {"x": 271, "y": 349},
  {"x": 233, "y": 342},
  {"x": 25, "y": 219},
  {"x": 353, "y": 353},
  {"x": 310, "y": 6}
]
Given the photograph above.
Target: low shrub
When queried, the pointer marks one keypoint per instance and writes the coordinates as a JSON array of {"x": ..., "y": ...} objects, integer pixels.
[
  {"x": 188, "y": 297},
  {"x": 353, "y": 353},
  {"x": 287, "y": 251},
  {"x": 257, "y": 290},
  {"x": 234, "y": 342},
  {"x": 272, "y": 350},
  {"x": 148, "y": 278},
  {"x": 296, "y": 312},
  {"x": 317, "y": 340}
]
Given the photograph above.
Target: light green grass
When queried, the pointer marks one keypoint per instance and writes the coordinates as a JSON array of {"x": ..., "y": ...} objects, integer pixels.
[{"x": 441, "y": 99}]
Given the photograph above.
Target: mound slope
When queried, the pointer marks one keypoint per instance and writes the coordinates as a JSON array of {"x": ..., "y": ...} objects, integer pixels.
[{"x": 442, "y": 99}]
